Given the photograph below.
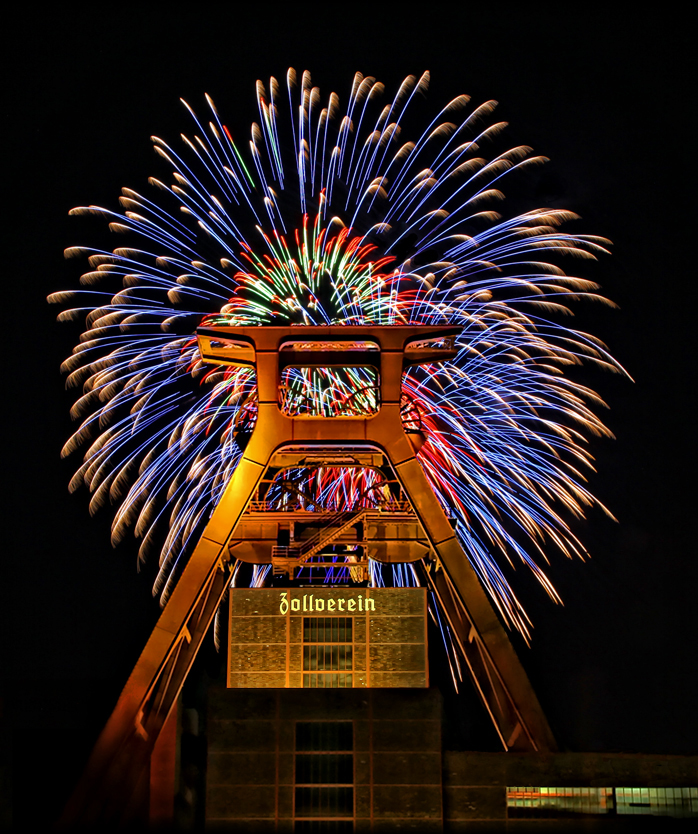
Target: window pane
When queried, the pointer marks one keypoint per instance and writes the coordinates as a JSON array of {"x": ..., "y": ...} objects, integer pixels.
[
  {"x": 323, "y": 827},
  {"x": 335, "y": 736},
  {"x": 327, "y": 629},
  {"x": 325, "y": 769},
  {"x": 324, "y": 802},
  {"x": 327, "y": 658}
]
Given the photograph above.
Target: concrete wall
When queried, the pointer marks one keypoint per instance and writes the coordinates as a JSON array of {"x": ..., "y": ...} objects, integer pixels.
[
  {"x": 397, "y": 756},
  {"x": 405, "y": 778}
]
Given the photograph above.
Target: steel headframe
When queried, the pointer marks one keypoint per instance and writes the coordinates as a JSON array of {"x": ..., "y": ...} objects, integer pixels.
[{"x": 121, "y": 757}]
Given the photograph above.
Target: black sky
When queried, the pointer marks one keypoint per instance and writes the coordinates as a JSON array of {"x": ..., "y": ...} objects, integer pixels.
[{"x": 605, "y": 96}]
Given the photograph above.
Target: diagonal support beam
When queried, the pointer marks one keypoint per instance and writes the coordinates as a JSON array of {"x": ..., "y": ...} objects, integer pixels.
[
  {"x": 109, "y": 788},
  {"x": 494, "y": 666},
  {"x": 121, "y": 756}
]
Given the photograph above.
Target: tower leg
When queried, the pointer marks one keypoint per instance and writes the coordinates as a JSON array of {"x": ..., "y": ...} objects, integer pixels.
[
  {"x": 163, "y": 774},
  {"x": 121, "y": 756},
  {"x": 494, "y": 666}
]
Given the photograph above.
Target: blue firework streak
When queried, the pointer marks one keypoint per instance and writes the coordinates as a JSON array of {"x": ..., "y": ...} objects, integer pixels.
[{"x": 335, "y": 217}]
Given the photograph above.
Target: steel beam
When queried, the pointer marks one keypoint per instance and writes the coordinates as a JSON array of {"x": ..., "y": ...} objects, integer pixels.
[{"x": 122, "y": 754}]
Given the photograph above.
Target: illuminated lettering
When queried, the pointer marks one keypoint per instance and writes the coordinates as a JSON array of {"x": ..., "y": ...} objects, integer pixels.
[
  {"x": 342, "y": 620},
  {"x": 310, "y": 603}
]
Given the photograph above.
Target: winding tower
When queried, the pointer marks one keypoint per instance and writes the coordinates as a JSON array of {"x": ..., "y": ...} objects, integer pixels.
[{"x": 405, "y": 524}]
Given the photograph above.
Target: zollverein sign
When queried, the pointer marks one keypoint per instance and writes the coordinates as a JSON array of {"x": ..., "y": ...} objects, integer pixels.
[{"x": 327, "y": 638}]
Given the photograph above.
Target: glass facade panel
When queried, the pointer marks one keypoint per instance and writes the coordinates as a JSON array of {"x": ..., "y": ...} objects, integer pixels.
[
  {"x": 327, "y": 629},
  {"x": 326, "y": 658},
  {"x": 324, "y": 802},
  {"x": 535, "y": 802},
  {"x": 324, "y": 776},
  {"x": 325, "y": 736},
  {"x": 668, "y": 802},
  {"x": 328, "y": 769},
  {"x": 558, "y": 802},
  {"x": 327, "y": 650},
  {"x": 327, "y": 680},
  {"x": 323, "y": 826}
]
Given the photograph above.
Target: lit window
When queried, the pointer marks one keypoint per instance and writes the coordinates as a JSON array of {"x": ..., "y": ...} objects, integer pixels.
[
  {"x": 327, "y": 652},
  {"x": 669, "y": 802},
  {"x": 557, "y": 802},
  {"x": 560, "y": 802}
]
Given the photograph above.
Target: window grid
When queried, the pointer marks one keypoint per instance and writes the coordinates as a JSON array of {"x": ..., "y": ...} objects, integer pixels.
[
  {"x": 327, "y": 680},
  {"x": 327, "y": 629},
  {"x": 327, "y": 652},
  {"x": 324, "y": 776},
  {"x": 535, "y": 802},
  {"x": 670, "y": 802}
]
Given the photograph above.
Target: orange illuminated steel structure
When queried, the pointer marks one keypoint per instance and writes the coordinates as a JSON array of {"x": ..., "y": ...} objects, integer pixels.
[{"x": 121, "y": 758}]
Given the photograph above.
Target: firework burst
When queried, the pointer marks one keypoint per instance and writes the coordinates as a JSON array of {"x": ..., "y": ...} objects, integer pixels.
[{"x": 329, "y": 216}]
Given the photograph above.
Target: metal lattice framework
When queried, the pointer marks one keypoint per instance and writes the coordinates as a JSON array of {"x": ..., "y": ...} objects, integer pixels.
[
  {"x": 122, "y": 754},
  {"x": 335, "y": 230}
]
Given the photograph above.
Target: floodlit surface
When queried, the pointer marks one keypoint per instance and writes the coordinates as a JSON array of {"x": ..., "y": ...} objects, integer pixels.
[
  {"x": 333, "y": 638},
  {"x": 551, "y": 802}
]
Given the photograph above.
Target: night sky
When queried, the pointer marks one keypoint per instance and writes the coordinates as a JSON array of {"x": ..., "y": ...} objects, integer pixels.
[{"x": 605, "y": 97}]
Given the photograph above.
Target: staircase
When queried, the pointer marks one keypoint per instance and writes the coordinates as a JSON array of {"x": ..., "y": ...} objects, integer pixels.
[{"x": 289, "y": 559}]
